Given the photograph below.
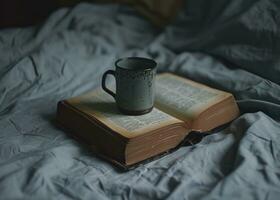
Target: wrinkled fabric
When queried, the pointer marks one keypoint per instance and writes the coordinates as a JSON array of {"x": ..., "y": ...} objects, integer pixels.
[{"x": 217, "y": 43}]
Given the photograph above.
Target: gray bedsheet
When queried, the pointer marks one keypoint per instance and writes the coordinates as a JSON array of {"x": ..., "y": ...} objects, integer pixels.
[{"x": 230, "y": 45}]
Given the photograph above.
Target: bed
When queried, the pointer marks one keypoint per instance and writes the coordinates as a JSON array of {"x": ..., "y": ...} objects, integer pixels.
[{"x": 229, "y": 45}]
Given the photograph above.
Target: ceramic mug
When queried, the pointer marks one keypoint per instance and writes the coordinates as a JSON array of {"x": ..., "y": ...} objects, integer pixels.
[{"x": 135, "y": 85}]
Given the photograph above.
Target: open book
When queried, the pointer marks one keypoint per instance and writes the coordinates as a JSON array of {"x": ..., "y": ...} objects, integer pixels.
[{"x": 181, "y": 106}]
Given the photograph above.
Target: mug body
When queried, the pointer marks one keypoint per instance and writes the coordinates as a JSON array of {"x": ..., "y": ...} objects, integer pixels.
[{"x": 135, "y": 85}]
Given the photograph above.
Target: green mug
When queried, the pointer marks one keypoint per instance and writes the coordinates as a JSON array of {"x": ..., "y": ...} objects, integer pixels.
[{"x": 135, "y": 85}]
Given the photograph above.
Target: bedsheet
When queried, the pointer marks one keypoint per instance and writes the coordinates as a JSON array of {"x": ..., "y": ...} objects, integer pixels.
[{"x": 229, "y": 45}]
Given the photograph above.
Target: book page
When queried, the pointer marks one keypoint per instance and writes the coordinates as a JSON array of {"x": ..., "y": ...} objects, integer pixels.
[
  {"x": 184, "y": 98},
  {"x": 103, "y": 107}
]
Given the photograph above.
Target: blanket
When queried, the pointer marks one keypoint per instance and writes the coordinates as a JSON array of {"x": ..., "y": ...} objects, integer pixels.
[{"x": 230, "y": 45}]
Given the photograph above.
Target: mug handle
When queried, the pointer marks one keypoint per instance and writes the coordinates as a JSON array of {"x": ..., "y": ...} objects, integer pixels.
[{"x": 104, "y": 82}]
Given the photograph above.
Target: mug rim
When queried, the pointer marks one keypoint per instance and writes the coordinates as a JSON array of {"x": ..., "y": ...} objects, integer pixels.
[{"x": 153, "y": 63}]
